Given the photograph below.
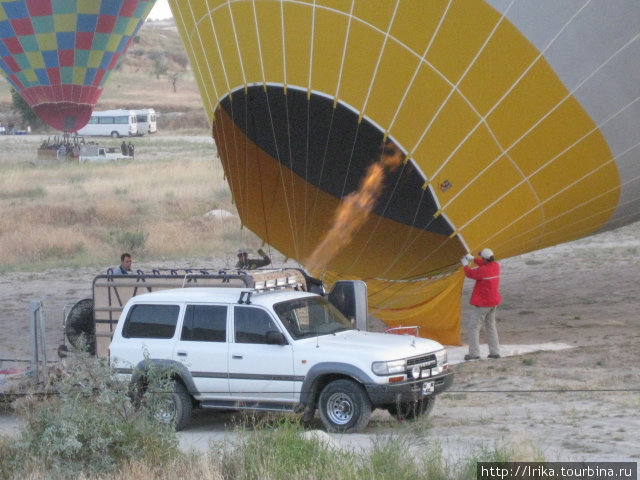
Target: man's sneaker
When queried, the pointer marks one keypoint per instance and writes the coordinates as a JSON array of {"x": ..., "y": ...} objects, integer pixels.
[
  {"x": 493, "y": 355},
  {"x": 471, "y": 357}
]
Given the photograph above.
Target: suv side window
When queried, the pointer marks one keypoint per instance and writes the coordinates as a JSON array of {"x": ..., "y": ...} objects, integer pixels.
[
  {"x": 205, "y": 323},
  {"x": 151, "y": 321},
  {"x": 252, "y": 324}
]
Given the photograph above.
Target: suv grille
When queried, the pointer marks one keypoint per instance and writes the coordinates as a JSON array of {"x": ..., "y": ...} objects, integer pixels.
[{"x": 423, "y": 361}]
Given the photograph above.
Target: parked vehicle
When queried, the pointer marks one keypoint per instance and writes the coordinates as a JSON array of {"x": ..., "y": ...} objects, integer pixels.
[
  {"x": 111, "y": 123},
  {"x": 99, "y": 153},
  {"x": 276, "y": 348},
  {"x": 146, "y": 121}
]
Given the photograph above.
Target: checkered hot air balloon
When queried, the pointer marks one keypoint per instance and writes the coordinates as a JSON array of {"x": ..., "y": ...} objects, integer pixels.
[{"x": 58, "y": 53}]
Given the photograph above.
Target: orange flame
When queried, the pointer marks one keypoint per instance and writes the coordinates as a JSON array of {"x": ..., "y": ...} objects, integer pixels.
[{"x": 355, "y": 208}]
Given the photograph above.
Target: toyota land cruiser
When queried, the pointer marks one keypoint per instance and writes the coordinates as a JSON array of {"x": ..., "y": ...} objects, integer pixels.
[{"x": 278, "y": 350}]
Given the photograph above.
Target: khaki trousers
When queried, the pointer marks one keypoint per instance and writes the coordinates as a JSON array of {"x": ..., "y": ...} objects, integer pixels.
[{"x": 483, "y": 316}]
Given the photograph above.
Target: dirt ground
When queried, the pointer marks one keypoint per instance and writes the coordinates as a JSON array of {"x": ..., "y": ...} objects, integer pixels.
[{"x": 574, "y": 404}]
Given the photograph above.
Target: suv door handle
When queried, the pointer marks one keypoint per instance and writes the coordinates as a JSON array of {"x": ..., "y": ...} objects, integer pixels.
[
  {"x": 237, "y": 356},
  {"x": 182, "y": 354}
]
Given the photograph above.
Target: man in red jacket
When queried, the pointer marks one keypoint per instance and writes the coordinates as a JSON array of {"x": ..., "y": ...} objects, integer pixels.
[{"x": 485, "y": 299}]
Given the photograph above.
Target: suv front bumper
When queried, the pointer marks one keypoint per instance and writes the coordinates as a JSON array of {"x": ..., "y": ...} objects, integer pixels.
[{"x": 394, "y": 393}]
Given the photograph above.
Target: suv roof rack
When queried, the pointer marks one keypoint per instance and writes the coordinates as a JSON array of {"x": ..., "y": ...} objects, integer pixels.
[{"x": 111, "y": 292}]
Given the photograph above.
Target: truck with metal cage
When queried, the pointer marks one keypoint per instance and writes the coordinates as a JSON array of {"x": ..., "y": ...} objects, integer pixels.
[
  {"x": 90, "y": 322},
  {"x": 267, "y": 339}
]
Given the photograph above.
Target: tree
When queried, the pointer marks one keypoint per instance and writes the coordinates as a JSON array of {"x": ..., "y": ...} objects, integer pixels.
[
  {"x": 22, "y": 108},
  {"x": 160, "y": 66},
  {"x": 173, "y": 79}
]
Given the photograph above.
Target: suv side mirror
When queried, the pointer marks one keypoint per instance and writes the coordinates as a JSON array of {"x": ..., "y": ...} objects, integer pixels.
[{"x": 275, "y": 338}]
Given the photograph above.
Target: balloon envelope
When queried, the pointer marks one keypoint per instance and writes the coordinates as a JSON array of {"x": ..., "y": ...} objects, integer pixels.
[
  {"x": 517, "y": 121},
  {"x": 58, "y": 54}
]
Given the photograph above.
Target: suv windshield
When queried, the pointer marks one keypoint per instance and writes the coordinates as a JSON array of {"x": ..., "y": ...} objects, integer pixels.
[{"x": 311, "y": 317}]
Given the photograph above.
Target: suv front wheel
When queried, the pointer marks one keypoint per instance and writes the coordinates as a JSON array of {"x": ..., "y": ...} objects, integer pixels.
[{"x": 344, "y": 406}]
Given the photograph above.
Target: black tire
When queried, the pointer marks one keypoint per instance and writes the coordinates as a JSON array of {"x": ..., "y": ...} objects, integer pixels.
[
  {"x": 80, "y": 327},
  {"x": 344, "y": 407},
  {"x": 412, "y": 410},
  {"x": 115, "y": 134},
  {"x": 176, "y": 408}
]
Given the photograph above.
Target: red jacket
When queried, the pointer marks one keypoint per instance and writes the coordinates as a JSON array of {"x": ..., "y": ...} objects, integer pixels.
[{"x": 487, "y": 277}]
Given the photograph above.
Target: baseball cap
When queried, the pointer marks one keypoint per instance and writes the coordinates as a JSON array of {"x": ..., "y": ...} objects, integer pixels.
[{"x": 486, "y": 253}]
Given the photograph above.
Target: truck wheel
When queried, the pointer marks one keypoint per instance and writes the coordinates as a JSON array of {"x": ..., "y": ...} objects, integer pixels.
[
  {"x": 344, "y": 407},
  {"x": 412, "y": 410},
  {"x": 176, "y": 408}
]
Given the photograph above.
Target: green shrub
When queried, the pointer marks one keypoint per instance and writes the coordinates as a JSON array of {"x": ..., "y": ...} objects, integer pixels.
[
  {"x": 283, "y": 451},
  {"x": 133, "y": 242},
  {"x": 392, "y": 457},
  {"x": 278, "y": 451},
  {"x": 91, "y": 426}
]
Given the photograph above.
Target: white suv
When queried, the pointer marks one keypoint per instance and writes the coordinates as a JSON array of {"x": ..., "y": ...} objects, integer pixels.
[{"x": 283, "y": 350}]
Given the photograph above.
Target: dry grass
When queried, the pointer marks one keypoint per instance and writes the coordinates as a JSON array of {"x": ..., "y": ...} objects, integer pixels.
[
  {"x": 63, "y": 213},
  {"x": 194, "y": 467}
]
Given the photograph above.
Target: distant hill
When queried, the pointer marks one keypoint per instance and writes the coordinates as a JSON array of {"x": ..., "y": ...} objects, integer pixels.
[{"x": 140, "y": 82}]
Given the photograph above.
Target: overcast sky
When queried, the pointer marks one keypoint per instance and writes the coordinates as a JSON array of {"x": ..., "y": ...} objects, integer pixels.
[{"x": 160, "y": 10}]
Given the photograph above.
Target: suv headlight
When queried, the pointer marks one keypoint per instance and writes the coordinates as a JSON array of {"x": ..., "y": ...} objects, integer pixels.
[
  {"x": 389, "y": 368},
  {"x": 441, "y": 362},
  {"x": 441, "y": 357}
]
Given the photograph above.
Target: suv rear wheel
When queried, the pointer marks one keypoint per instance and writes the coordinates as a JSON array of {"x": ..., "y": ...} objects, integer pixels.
[
  {"x": 344, "y": 406},
  {"x": 175, "y": 408}
]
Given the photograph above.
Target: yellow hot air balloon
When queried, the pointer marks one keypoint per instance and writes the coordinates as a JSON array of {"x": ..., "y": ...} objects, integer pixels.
[{"x": 514, "y": 124}]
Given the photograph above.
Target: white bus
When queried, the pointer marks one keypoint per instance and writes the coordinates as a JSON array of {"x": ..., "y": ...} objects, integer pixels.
[
  {"x": 146, "y": 121},
  {"x": 114, "y": 123}
]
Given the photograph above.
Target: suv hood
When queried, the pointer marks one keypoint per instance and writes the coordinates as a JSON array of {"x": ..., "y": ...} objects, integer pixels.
[{"x": 382, "y": 346}]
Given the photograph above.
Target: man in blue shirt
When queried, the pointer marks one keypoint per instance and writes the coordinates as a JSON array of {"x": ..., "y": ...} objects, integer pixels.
[{"x": 125, "y": 265}]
